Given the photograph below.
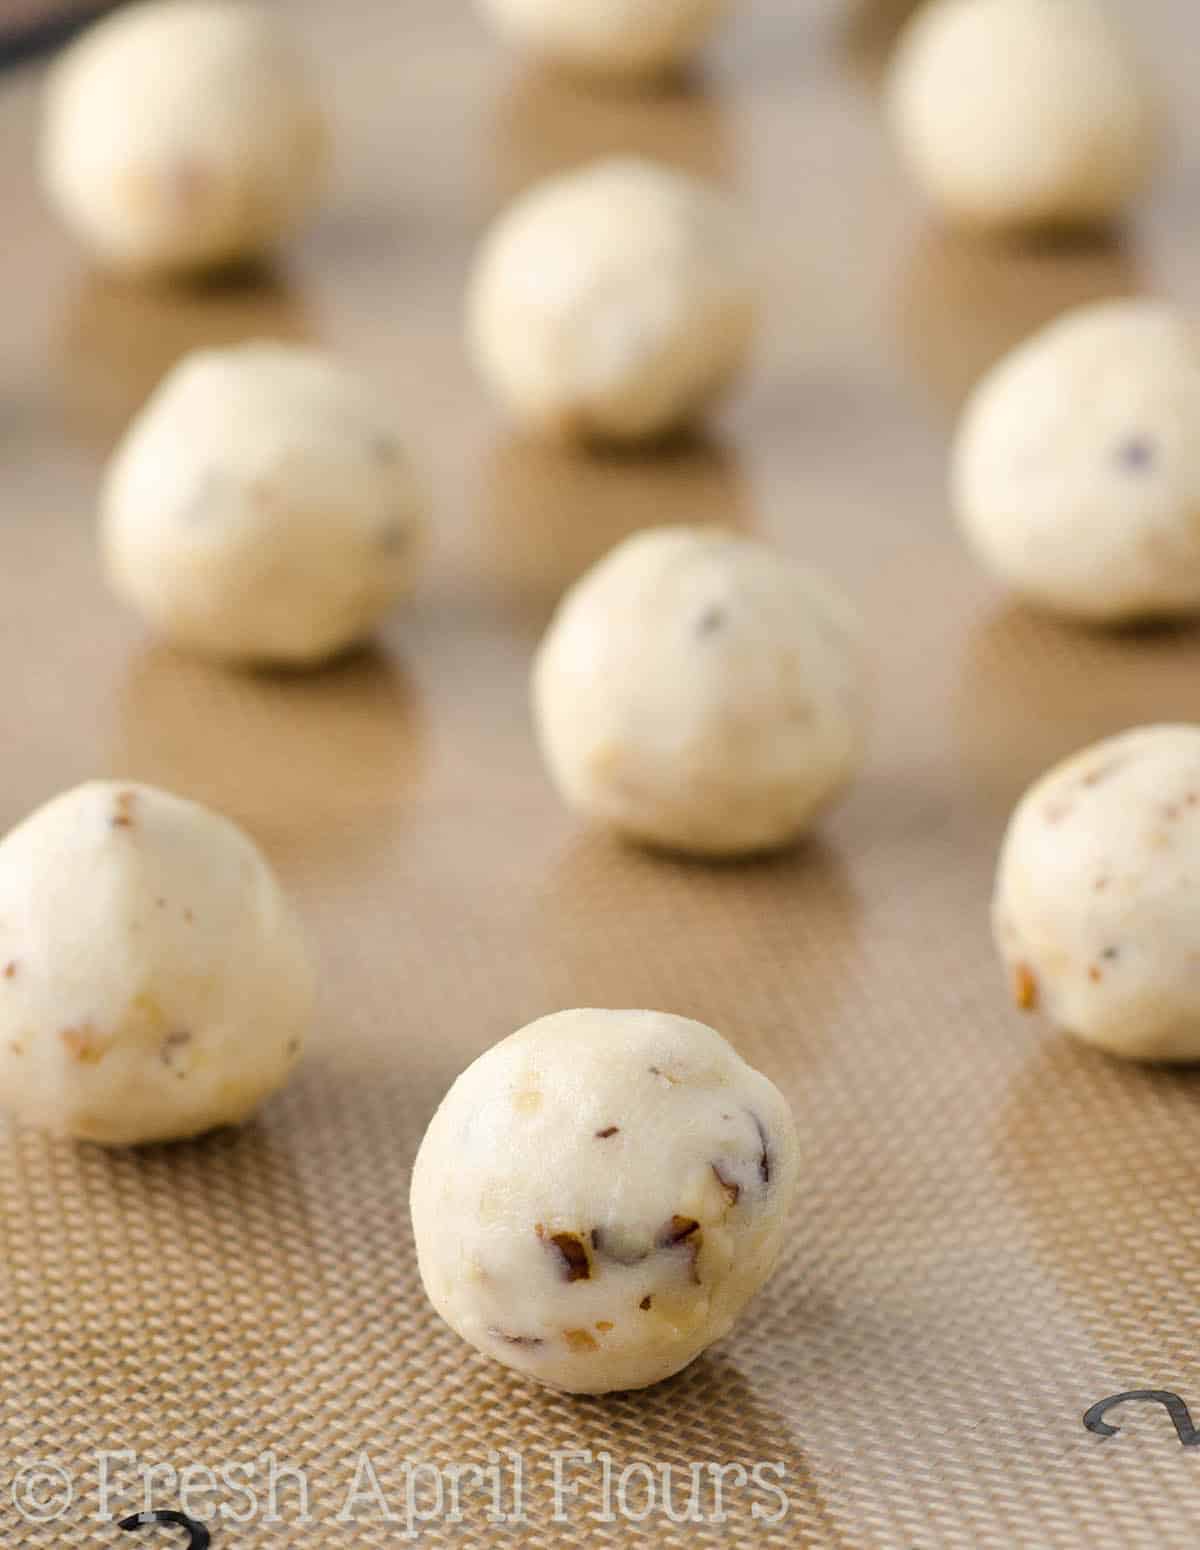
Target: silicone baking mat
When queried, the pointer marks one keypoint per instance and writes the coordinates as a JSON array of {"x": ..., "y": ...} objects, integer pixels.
[{"x": 996, "y": 1230}]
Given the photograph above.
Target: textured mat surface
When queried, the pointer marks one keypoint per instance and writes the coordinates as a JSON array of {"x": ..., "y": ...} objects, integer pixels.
[{"x": 996, "y": 1230}]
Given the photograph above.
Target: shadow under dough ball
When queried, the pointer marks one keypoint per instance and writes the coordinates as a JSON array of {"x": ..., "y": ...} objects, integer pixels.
[
  {"x": 182, "y": 135},
  {"x": 154, "y": 982},
  {"x": 614, "y": 303},
  {"x": 700, "y": 693},
  {"x": 1095, "y": 911},
  {"x": 1022, "y": 114},
  {"x": 261, "y": 507},
  {"x": 600, "y": 1195},
  {"x": 1076, "y": 470}
]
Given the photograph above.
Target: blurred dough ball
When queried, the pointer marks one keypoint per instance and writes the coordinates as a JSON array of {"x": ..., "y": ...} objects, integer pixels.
[
  {"x": 153, "y": 980},
  {"x": 182, "y": 134},
  {"x": 261, "y": 508},
  {"x": 614, "y": 303},
  {"x": 1096, "y": 911},
  {"x": 1077, "y": 465},
  {"x": 1022, "y": 113},
  {"x": 662, "y": 1213},
  {"x": 615, "y": 38},
  {"x": 698, "y": 692}
]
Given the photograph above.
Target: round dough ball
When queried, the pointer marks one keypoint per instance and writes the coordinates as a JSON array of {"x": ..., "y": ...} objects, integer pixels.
[
  {"x": 1096, "y": 911},
  {"x": 699, "y": 692},
  {"x": 182, "y": 134},
  {"x": 261, "y": 508},
  {"x": 1022, "y": 113},
  {"x": 616, "y": 38},
  {"x": 600, "y": 1195},
  {"x": 1077, "y": 466},
  {"x": 613, "y": 303},
  {"x": 153, "y": 980}
]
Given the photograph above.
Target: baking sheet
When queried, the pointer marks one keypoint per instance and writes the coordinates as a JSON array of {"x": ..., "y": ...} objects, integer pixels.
[{"x": 996, "y": 1230}]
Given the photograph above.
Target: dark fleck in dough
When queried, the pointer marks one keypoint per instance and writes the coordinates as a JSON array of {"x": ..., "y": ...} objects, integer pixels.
[
  {"x": 576, "y": 1265},
  {"x": 533, "y": 1220},
  {"x": 1136, "y": 455},
  {"x": 122, "y": 817}
]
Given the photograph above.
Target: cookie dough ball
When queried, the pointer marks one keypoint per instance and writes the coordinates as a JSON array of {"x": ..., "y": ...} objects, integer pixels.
[
  {"x": 261, "y": 507},
  {"x": 600, "y": 1195},
  {"x": 1096, "y": 911},
  {"x": 182, "y": 134},
  {"x": 1077, "y": 466},
  {"x": 153, "y": 980},
  {"x": 1022, "y": 113},
  {"x": 699, "y": 692},
  {"x": 613, "y": 38},
  {"x": 613, "y": 303}
]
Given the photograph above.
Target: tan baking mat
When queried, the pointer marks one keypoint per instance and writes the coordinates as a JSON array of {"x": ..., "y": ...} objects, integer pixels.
[{"x": 995, "y": 1231}]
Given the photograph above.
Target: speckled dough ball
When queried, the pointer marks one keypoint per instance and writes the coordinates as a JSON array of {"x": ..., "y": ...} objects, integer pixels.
[
  {"x": 613, "y": 303},
  {"x": 261, "y": 507},
  {"x": 1096, "y": 910},
  {"x": 701, "y": 693},
  {"x": 616, "y": 38},
  {"x": 1077, "y": 467},
  {"x": 600, "y": 1195},
  {"x": 153, "y": 980},
  {"x": 1022, "y": 113},
  {"x": 182, "y": 134}
]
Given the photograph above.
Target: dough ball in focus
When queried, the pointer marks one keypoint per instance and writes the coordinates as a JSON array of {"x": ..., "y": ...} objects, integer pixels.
[
  {"x": 153, "y": 980},
  {"x": 615, "y": 38},
  {"x": 1096, "y": 911},
  {"x": 261, "y": 507},
  {"x": 1022, "y": 113},
  {"x": 699, "y": 692},
  {"x": 182, "y": 134},
  {"x": 600, "y": 1195},
  {"x": 613, "y": 303},
  {"x": 1077, "y": 465}
]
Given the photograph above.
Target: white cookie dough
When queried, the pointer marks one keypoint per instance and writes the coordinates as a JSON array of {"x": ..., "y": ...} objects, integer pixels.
[
  {"x": 1076, "y": 471},
  {"x": 153, "y": 980},
  {"x": 699, "y": 692},
  {"x": 261, "y": 508},
  {"x": 182, "y": 134},
  {"x": 614, "y": 38},
  {"x": 1096, "y": 910},
  {"x": 1022, "y": 113},
  {"x": 600, "y": 1195},
  {"x": 613, "y": 303}
]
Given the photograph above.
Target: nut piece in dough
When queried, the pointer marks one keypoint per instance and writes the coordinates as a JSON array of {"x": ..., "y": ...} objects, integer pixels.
[
  {"x": 1096, "y": 912},
  {"x": 613, "y": 303},
  {"x": 182, "y": 134},
  {"x": 1077, "y": 466},
  {"x": 260, "y": 508},
  {"x": 621, "y": 39},
  {"x": 701, "y": 693},
  {"x": 1022, "y": 113},
  {"x": 600, "y": 1195},
  {"x": 153, "y": 979}
]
